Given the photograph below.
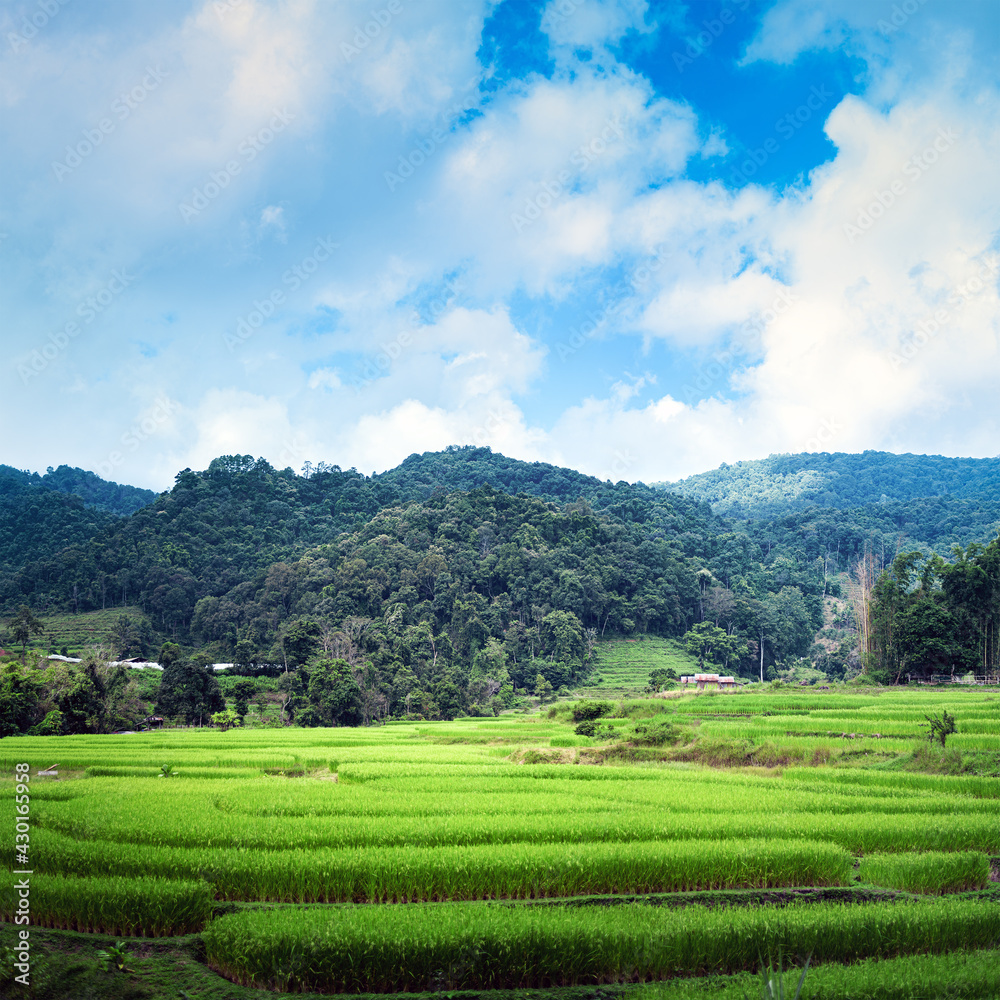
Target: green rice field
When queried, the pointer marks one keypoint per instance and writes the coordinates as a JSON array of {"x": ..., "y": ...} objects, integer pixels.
[
  {"x": 513, "y": 854},
  {"x": 623, "y": 666}
]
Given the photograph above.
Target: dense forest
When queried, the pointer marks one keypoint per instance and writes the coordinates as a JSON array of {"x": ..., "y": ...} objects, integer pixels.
[
  {"x": 115, "y": 498},
  {"x": 463, "y": 577},
  {"x": 924, "y": 615},
  {"x": 779, "y": 484}
]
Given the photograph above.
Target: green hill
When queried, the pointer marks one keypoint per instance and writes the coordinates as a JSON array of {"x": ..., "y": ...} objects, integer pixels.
[
  {"x": 780, "y": 484},
  {"x": 114, "y": 498}
]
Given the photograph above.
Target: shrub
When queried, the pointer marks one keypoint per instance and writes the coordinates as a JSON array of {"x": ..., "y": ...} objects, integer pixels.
[
  {"x": 588, "y": 710},
  {"x": 655, "y": 734}
]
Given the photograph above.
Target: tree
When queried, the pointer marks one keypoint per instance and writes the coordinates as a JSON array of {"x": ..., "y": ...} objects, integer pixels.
[
  {"x": 20, "y": 691},
  {"x": 23, "y": 626},
  {"x": 129, "y": 637},
  {"x": 563, "y": 639},
  {"x": 660, "y": 678},
  {"x": 928, "y": 639},
  {"x": 543, "y": 688},
  {"x": 189, "y": 691},
  {"x": 51, "y": 725},
  {"x": 940, "y": 729},
  {"x": 333, "y": 695},
  {"x": 300, "y": 640},
  {"x": 243, "y": 693},
  {"x": 226, "y": 719},
  {"x": 79, "y": 702},
  {"x": 709, "y": 642},
  {"x": 448, "y": 697},
  {"x": 170, "y": 653}
]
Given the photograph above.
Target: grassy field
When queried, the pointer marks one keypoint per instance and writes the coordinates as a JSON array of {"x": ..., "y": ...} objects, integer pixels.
[{"x": 512, "y": 854}]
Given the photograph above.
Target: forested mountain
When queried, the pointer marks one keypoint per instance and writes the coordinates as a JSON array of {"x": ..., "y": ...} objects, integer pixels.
[
  {"x": 115, "y": 498},
  {"x": 36, "y": 521},
  {"x": 506, "y": 586},
  {"x": 460, "y": 572},
  {"x": 220, "y": 528},
  {"x": 779, "y": 484}
]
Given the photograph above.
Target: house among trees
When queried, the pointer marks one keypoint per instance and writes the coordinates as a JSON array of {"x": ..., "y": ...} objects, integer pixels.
[{"x": 708, "y": 682}]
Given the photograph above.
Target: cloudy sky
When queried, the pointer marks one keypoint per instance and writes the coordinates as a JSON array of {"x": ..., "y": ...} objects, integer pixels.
[{"x": 634, "y": 237}]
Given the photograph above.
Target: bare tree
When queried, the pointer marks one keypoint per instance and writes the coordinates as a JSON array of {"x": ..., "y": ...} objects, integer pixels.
[{"x": 866, "y": 573}]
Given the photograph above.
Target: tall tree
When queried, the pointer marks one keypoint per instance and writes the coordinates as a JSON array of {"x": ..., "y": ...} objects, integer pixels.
[
  {"x": 23, "y": 626},
  {"x": 189, "y": 691}
]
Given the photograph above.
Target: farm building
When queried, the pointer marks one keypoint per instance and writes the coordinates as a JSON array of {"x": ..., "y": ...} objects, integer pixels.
[{"x": 708, "y": 682}]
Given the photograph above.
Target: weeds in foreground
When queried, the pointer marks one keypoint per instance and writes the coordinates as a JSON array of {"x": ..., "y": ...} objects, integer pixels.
[
  {"x": 113, "y": 957},
  {"x": 772, "y": 986}
]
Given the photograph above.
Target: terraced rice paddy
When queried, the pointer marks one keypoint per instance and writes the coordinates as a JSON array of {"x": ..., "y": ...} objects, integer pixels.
[{"x": 423, "y": 856}]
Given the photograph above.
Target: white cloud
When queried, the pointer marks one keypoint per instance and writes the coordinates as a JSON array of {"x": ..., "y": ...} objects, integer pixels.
[
  {"x": 790, "y": 27},
  {"x": 233, "y": 422},
  {"x": 382, "y": 440},
  {"x": 885, "y": 311},
  {"x": 429, "y": 324},
  {"x": 588, "y": 25}
]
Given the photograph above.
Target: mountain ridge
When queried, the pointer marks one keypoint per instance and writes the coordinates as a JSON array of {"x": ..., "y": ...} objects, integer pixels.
[{"x": 785, "y": 482}]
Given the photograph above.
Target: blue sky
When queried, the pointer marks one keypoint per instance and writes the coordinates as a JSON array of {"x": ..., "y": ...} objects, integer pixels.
[{"x": 635, "y": 238}]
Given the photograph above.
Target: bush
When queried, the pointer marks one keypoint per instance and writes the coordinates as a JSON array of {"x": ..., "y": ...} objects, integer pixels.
[
  {"x": 587, "y": 710},
  {"x": 655, "y": 734},
  {"x": 593, "y": 729}
]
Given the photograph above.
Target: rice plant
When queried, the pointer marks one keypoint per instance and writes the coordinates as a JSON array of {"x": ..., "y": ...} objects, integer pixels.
[
  {"x": 929, "y": 872},
  {"x": 491, "y": 946}
]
